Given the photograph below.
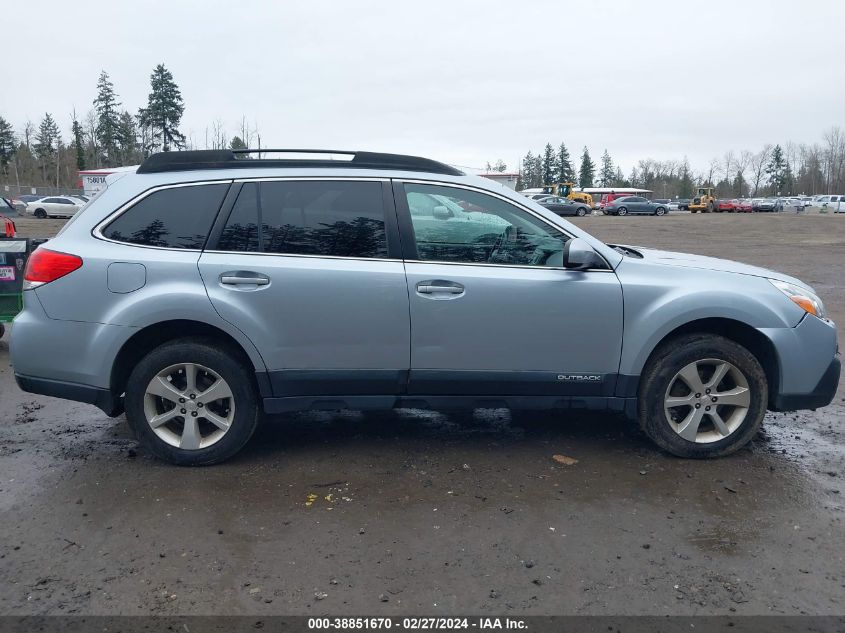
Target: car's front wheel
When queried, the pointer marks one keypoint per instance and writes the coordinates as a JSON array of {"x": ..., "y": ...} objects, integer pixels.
[
  {"x": 191, "y": 402},
  {"x": 702, "y": 395},
  {"x": 659, "y": 211},
  {"x": 581, "y": 212}
]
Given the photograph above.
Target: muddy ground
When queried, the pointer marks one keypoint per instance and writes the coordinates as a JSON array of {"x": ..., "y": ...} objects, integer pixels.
[{"x": 417, "y": 512}]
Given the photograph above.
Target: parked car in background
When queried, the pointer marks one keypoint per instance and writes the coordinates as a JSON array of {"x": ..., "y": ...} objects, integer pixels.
[
  {"x": 27, "y": 198},
  {"x": 636, "y": 204},
  {"x": 728, "y": 206},
  {"x": 565, "y": 206},
  {"x": 536, "y": 196},
  {"x": 17, "y": 205},
  {"x": 789, "y": 204},
  {"x": 198, "y": 321},
  {"x": 81, "y": 200},
  {"x": 607, "y": 199},
  {"x": 683, "y": 204},
  {"x": 835, "y": 204},
  {"x": 7, "y": 207},
  {"x": 763, "y": 205},
  {"x": 744, "y": 206},
  {"x": 54, "y": 207}
]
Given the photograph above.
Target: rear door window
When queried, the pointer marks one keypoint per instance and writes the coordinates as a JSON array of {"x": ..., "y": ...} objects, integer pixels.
[
  {"x": 178, "y": 217},
  {"x": 329, "y": 218}
]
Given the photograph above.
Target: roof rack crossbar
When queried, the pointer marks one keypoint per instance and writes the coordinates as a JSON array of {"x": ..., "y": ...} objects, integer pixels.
[{"x": 229, "y": 159}]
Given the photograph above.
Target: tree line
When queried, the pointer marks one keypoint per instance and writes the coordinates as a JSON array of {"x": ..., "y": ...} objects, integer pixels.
[
  {"x": 781, "y": 170},
  {"x": 109, "y": 135}
]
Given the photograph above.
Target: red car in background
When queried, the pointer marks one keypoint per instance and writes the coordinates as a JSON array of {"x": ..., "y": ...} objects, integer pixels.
[
  {"x": 607, "y": 198},
  {"x": 744, "y": 206},
  {"x": 727, "y": 205}
]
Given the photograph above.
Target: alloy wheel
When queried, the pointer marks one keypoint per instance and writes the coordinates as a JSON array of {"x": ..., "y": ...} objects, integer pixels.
[
  {"x": 707, "y": 400},
  {"x": 189, "y": 406}
]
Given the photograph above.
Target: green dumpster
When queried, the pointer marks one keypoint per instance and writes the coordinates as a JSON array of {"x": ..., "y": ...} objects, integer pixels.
[{"x": 14, "y": 252}]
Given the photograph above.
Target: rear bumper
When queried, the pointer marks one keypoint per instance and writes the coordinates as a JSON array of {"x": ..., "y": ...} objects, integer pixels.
[
  {"x": 821, "y": 396},
  {"x": 99, "y": 397}
]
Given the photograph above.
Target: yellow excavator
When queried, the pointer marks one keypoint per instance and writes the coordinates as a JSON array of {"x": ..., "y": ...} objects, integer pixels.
[
  {"x": 704, "y": 201},
  {"x": 566, "y": 190}
]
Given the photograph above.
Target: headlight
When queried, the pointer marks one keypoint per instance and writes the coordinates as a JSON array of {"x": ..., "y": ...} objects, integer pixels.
[{"x": 802, "y": 297}]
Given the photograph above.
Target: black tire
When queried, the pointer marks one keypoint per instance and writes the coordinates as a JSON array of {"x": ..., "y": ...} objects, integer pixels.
[
  {"x": 222, "y": 360},
  {"x": 621, "y": 211},
  {"x": 580, "y": 212},
  {"x": 2, "y": 330},
  {"x": 41, "y": 214},
  {"x": 711, "y": 207},
  {"x": 659, "y": 211},
  {"x": 667, "y": 361}
]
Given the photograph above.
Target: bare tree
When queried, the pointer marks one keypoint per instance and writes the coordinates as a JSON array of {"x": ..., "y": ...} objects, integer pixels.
[
  {"x": 757, "y": 164},
  {"x": 834, "y": 157}
]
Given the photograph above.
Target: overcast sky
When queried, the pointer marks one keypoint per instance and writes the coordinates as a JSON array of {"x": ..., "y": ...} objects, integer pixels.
[{"x": 463, "y": 82}]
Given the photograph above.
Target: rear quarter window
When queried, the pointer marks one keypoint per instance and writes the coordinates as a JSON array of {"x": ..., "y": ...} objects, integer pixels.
[{"x": 178, "y": 217}]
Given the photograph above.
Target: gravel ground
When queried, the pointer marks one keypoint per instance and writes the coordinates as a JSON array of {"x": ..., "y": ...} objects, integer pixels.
[{"x": 421, "y": 512}]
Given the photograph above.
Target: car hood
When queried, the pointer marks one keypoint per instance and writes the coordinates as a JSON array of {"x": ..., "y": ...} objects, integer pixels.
[{"x": 687, "y": 260}]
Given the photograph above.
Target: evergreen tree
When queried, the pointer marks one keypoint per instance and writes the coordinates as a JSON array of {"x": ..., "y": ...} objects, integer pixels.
[
  {"x": 164, "y": 111},
  {"x": 78, "y": 143},
  {"x": 686, "y": 186},
  {"x": 776, "y": 170},
  {"x": 108, "y": 119},
  {"x": 587, "y": 173},
  {"x": 566, "y": 173},
  {"x": 607, "y": 173},
  {"x": 527, "y": 169},
  {"x": 7, "y": 144},
  {"x": 127, "y": 139},
  {"x": 47, "y": 140},
  {"x": 739, "y": 185},
  {"x": 549, "y": 165},
  {"x": 237, "y": 143},
  {"x": 537, "y": 172}
]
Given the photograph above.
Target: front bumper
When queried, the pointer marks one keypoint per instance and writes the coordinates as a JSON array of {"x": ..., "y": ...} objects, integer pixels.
[{"x": 821, "y": 396}]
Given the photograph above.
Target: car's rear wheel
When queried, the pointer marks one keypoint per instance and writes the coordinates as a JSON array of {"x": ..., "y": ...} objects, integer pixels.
[
  {"x": 191, "y": 402},
  {"x": 702, "y": 395},
  {"x": 621, "y": 211},
  {"x": 41, "y": 214}
]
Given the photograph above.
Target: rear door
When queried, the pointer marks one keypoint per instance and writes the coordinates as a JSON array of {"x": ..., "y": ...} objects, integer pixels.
[
  {"x": 310, "y": 270},
  {"x": 493, "y": 312}
]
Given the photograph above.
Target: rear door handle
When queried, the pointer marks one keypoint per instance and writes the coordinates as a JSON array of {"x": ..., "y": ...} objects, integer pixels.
[
  {"x": 433, "y": 286},
  {"x": 237, "y": 278}
]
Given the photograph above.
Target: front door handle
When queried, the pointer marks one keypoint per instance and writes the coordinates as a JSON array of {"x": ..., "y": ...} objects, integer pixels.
[
  {"x": 240, "y": 277},
  {"x": 433, "y": 286}
]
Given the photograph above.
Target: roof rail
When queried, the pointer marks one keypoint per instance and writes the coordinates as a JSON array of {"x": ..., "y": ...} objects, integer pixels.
[{"x": 238, "y": 158}]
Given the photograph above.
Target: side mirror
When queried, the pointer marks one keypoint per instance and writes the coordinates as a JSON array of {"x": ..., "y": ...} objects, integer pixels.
[
  {"x": 442, "y": 213},
  {"x": 578, "y": 255}
]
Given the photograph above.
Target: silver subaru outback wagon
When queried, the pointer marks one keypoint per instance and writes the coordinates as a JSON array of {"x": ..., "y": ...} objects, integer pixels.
[{"x": 209, "y": 288}]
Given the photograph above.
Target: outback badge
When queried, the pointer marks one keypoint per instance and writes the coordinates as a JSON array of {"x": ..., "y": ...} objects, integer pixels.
[{"x": 579, "y": 377}]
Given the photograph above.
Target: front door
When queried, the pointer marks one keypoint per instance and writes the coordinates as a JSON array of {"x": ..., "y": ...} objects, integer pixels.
[
  {"x": 493, "y": 311},
  {"x": 310, "y": 271}
]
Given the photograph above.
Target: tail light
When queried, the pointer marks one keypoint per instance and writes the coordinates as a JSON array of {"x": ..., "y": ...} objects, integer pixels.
[{"x": 44, "y": 266}]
